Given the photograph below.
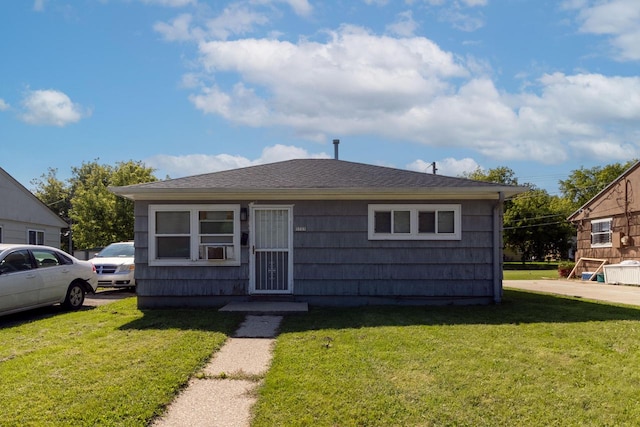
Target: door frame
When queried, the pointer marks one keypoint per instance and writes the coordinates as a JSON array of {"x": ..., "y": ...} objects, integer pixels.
[{"x": 252, "y": 253}]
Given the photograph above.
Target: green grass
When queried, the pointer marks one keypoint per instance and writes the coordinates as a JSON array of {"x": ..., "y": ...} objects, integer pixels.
[
  {"x": 530, "y": 274},
  {"x": 111, "y": 366},
  {"x": 534, "y": 360}
]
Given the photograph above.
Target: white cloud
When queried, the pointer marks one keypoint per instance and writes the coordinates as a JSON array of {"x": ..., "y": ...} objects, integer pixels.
[
  {"x": 354, "y": 77},
  {"x": 404, "y": 26},
  {"x": 235, "y": 19},
  {"x": 38, "y": 5},
  {"x": 462, "y": 21},
  {"x": 193, "y": 164},
  {"x": 51, "y": 107},
  {"x": 473, "y": 3},
  {"x": 401, "y": 87},
  {"x": 358, "y": 83},
  {"x": 618, "y": 19},
  {"x": 448, "y": 166},
  {"x": 300, "y": 7},
  {"x": 170, "y": 3},
  {"x": 3, "y": 105},
  {"x": 178, "y": 30},
  {"x": 605, "y": 150}
]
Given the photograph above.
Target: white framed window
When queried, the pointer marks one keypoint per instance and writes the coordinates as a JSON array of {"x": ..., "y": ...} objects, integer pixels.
[
  {"x": 194, "y": 235},
  {"x": 415, "y": 222},
  {"x": 35, "y": 237},
  {"x": 602, "y": 233}
]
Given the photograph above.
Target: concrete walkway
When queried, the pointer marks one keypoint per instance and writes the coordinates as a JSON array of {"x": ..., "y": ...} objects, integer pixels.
[
  {"x": 581, "y": 289},
  {"x": 225, "y": 391}
]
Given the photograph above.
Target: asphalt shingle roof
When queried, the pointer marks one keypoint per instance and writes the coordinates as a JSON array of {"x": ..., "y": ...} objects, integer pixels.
[
  {"x": 308, "y": 175},
  {"x": 315, "y": 174}
]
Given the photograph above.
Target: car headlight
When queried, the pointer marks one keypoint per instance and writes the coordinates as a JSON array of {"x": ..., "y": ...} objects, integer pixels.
[{"x": 125, "y": 268}]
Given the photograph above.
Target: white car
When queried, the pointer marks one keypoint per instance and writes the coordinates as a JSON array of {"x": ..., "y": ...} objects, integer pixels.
[
  {"x": 115, "y": 266},
  {"x": 35, "y": 276}
]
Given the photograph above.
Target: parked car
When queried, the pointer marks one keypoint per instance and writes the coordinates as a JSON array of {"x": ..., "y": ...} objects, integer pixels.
[
  {"x": 36, "y": 276},
  {"x": 115, "y": 266}
]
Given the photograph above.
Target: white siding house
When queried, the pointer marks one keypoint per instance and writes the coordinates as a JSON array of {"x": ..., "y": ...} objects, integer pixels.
[{"x": 24, "y": 218}]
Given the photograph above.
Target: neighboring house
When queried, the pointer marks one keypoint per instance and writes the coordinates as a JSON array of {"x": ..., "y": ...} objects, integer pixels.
[
  {"x": 609, "y": 224},
  {"x": 24, "y": 218},
  {"x": 324, "y": 231}
]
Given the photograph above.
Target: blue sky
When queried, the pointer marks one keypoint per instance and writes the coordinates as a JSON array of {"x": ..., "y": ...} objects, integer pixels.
[{"x": 193, "y": 86}]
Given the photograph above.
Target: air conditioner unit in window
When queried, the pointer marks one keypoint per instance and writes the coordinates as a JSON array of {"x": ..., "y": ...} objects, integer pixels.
[{"x": 216, "y": 252}]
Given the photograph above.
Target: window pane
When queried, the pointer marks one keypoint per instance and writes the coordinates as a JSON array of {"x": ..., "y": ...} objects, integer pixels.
[
  {"x": 216, "y": 227},
  {"x": 445, "y": 222},
  {"x": 16, "y": 261},
  {"x": 382, "y": 222},
  {"x": 173, "y": 247},
  {"x": 216, "y": 215},
  {"x": 601, "y": 226},
  {"x": 402, "y": 222},
  {"x": 216, "y": 240},
  {"x": 426, "y": 222},
  {"x": 172, "y": 222},
  {"x": 45, "y": 258}
]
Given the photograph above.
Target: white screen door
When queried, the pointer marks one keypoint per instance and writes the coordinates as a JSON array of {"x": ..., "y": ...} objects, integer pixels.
[{"x": 271, "y": 250}]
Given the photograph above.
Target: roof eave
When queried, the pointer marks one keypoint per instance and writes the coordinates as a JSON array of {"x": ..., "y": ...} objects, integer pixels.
[{"x": 491, "y": 193}]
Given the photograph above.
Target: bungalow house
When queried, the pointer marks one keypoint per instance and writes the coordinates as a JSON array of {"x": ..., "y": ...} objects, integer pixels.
[
  {"x": 323, "y": 231},
  {"x": 609, "y": 224},
  {"x": 24, "y": 218}
]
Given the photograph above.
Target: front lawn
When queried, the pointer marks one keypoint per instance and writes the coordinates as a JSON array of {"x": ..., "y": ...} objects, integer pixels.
[
  {"x": 530, "y": 274},
  {"x": 534, "y": 360},
  {"x": 111, "y": 366}
]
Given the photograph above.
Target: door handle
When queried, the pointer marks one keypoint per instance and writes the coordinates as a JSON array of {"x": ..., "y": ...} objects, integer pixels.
[{"x": 253, "y": 249}]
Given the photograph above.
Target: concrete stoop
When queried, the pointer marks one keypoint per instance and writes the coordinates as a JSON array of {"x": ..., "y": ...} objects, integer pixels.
[
  {"x": 266, "y": 307},
  {"x": 225, "y": 393}
]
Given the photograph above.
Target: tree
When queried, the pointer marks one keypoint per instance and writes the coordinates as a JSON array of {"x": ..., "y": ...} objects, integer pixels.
[
  {"x": 56, "y": 195},
  {"x": 98, "y": 217},
  {"x": 535, "y": 225},
  {"x": 500, "y": 175},
  {"x": 534, "y": 222},
  {"x": 583, "y": 184}
]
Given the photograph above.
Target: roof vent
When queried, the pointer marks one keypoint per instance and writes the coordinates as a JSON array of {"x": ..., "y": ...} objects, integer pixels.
[{"x": 336, "y": 142}]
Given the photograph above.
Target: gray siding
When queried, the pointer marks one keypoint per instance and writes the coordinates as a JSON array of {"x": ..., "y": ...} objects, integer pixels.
[
  {"x": 17, "y": 232},
  {"x": 334, "y": 258}
]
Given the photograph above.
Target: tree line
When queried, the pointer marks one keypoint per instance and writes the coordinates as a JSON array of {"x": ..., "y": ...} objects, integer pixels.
[
  {"x": 96, "y": 216},
  {"x": 535, "y": 222}
]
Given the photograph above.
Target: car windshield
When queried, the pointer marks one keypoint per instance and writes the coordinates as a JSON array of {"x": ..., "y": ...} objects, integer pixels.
[{"x": 116, "y": 250}]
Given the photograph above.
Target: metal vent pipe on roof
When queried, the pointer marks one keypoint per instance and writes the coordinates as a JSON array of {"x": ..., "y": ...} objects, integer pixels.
[{"x": 336, "y": 142}]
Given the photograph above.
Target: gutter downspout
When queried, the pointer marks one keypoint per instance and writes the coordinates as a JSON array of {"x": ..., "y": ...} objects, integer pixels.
[{"x": 497, "y": 249}]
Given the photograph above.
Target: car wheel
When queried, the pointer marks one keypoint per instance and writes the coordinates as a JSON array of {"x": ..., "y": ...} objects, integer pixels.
[{"x": 75, "y": 297}]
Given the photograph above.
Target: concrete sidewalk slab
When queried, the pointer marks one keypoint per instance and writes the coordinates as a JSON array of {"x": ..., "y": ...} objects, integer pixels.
[
  {"x": 227, "y": 402},
  {"x": 206, "y": 403},
  {"x": 258, "y": 327},
  {"x": 241, "y": 356},
  {"x": 266, "y": 307}
]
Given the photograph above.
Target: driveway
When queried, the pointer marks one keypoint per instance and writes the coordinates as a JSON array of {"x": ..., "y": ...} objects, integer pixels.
[
  {"x": 581, "y": 289},
  {"x": 103, "y": 297}
]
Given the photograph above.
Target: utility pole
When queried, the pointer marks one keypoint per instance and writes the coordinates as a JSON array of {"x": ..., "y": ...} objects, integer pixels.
[{"x": 433, "y": 167}]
